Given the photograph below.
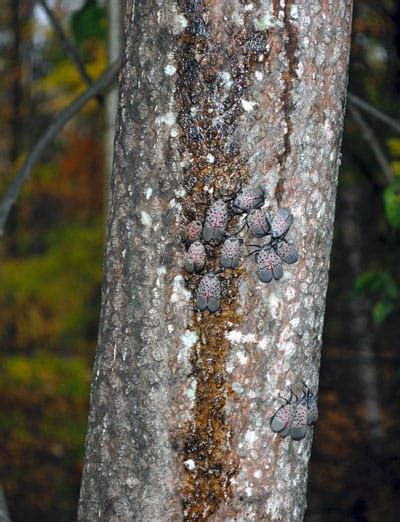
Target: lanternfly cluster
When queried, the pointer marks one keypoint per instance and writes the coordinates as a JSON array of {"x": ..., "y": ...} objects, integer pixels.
[
  {"x": 293, "y": 417},
  {"x": 269, "y": 255}
]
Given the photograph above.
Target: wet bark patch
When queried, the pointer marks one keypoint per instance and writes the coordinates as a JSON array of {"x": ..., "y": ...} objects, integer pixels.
[
  {"x": 289, "y": 40},
  {"x": 215, "y": 61}
]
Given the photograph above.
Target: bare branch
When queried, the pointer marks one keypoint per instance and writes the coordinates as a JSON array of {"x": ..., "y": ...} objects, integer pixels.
[
  {"x": 373, "y": 111},
  {"x": 101, "y": 84},
  {"x": 373, "y": 142},
  {"x": 68, "y": 46}
]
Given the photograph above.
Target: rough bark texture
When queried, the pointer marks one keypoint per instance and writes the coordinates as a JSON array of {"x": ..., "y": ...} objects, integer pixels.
[{"x": 213, "y": 93}]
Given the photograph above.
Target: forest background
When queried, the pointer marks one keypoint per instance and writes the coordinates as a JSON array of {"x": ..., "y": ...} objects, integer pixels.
[{"x": 51, "y": 268}]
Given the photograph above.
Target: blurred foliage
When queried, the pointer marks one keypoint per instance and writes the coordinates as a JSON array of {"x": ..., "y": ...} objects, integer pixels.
[
  {"x": 89, "y": 24},
  {"x": 382, "y": 289},
  {"x": 51, "y": 266}
]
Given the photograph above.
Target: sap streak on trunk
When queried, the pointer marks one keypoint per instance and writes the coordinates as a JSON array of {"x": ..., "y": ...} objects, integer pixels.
[{"x": 213, "y": 94}]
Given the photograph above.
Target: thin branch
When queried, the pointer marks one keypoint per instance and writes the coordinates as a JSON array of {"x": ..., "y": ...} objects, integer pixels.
[
  {"x": 69, "y": 48},
  {"x": 373, "y": 142},
  {"x": 373, "y": 111},
  {"x": 101, "y": 84}
]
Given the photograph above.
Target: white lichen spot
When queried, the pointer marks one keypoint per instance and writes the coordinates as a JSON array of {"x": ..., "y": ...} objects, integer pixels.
[
  {"x": 274, "y": 305},
  {"x": 180, "y": 192},
  {"x": 148, "y": 192},
  {"x": 294, "y": 12},
  {"x": 210, "y": 158},
  {"x": 237, "y": 18},
  {"x": 259, "y": 75},
  {"x": 174, "y": 132},
  {"x": 130, "y": 482},
  {"x": 249, "y": 491},
  {"x": 168, "y": 119},
  {"x": 170, "y": 69},
  {"x": 193, "y": 110},
  {"x": 248, "y": 105},
  {"x": 170, "y": 328},
  {"x": 243, "y": 359},
  {"x": 179, "y": 24},
  {"x": 189, "y": 339},
  {"x": 237, "y": 388},
  {"x": 263, "y": 344},
  {"x": 257, "y": 474},
  {"x": 180, "y": 295},
  {"x": 267, "y": 22},
  {"x": 190, "y": 464},
  {"x": 145, "y": 219},
  {"x": 250, "y": 437},
  {"x": 288, "y": 347},
  {"x": 236, "y": 336},
  {"x": 226, "y": 78},
  {"x": 249, "y": 7},
  {"x": 290, "y": 293},
  {"x": 191, "y": 392},
  {"x": 294, "y": 323}
]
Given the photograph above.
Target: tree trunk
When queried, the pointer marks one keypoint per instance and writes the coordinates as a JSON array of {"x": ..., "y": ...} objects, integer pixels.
[
  {"x": 114, "y": 11},
  {"x": 213, "y": 94},
  {"x": 362, "y": 325}
]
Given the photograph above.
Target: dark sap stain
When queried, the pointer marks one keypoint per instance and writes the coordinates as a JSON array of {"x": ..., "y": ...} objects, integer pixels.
[
  {"x": 290, "y": 39},
  {"x": 209, "y": 106}
]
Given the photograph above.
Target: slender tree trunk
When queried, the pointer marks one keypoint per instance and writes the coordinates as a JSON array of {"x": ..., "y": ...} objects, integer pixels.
[
  {"x": 362, "y": 329},
  {"x": 114, "y": 10},
  {"x": 213, "y": 94}
]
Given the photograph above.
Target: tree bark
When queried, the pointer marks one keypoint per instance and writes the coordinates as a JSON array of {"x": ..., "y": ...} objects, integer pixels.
[{"x": 213, "y": 94}]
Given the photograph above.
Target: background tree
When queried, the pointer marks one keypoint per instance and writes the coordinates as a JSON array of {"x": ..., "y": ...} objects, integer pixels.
[{"x": 213, "y": 95}]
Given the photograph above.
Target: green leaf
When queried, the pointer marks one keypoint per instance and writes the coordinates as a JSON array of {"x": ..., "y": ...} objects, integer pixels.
[
  {"x": 391, "y": 200},
  {"x": 382, "y": 310}
]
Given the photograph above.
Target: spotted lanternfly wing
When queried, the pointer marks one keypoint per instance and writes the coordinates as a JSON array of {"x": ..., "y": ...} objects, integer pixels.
[
  {"x": 208, "y": 293},
  {"x": 298, "y": 429},
  {"x": 258, "y": 223},
  {"x": 230, "y": 252},
  {"x": 287, "y": 252},
  {"x": 282, "y": 420},
  {"x": 312, "y": 414},
  {"x": 216, "y": 221},
  {"x": 192, "y": 231},
  {"x": 248, "y": 199},
  {"x": 269, "y": 265},
  {"x": 195, "y": 257},
  {"x": 281, "y": 222}
]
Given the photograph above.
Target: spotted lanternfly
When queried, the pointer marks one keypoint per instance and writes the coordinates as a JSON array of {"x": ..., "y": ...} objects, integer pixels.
[
  {"x": 192, "y": 231},
  {"x": 282, "y": 419},
  {"x": 208, "y": 293},
  {"x": 216, "y": 221},
  {"x": 195, "y": 257},
  {"x": 287, "y": 252},
  {"x": 248, "y": 199},
  {"x": 230, "y": 252},
  {"x": 281, "y": 222},
  {"x": 257, "y": 222},
  {"x": 298, "y": 428},
  {"x": 269, "y": 265}
]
